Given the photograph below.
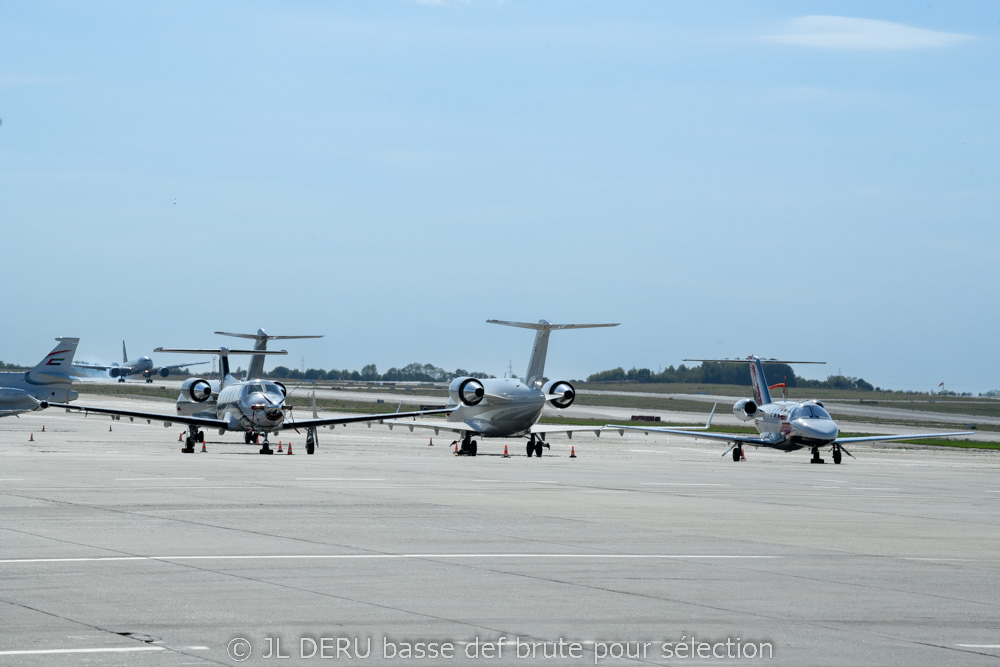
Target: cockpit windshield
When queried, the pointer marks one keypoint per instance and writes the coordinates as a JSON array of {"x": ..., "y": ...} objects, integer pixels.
[
  {"x": 262, "y": 388},
  {"x": 810, "y": 411}
]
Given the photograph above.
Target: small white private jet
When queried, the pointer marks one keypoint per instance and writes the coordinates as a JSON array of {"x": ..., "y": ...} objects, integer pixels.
[{"x": 784, "y": 425}]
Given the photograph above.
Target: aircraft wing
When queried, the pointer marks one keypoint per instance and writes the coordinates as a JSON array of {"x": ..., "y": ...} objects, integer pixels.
[
  {"x": 97, "y": 367},
  {"x": 727, "y": 437},
  {"x": 882, "y": 438},
  {"x": 390, "y": 417},
  {"x": 136, "y": 414},
  {"x": 176, "y": 366},
  {"x": 558, "y": 429},
  {"x": 449, "y": 427}
]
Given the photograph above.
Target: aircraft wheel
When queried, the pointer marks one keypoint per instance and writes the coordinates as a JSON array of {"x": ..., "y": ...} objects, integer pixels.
[
  {"x": 310, "y": 448},
  {"x": 836, "y": 456},
  {"x": 538, "y": 450},
  {"x": 473, "y": 448},
  {"x": 188, "y": 447},
  {"x": 736, "y": 454}
]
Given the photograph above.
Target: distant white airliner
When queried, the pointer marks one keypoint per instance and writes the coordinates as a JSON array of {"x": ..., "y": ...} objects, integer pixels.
[
  {"x": 50, "y": 380},
  {"x": 784, "y": 425},
  {"x": 141, "y": 366}
]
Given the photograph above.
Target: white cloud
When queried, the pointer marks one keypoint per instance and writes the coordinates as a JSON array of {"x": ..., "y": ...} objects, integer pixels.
[{"x": 842, "y": 32}]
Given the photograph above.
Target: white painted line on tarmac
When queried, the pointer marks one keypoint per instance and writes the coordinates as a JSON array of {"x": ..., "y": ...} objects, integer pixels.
[
  {"x": 156, "y": 479},
  {"x": 677, "y": 484},
  {"x": 100, "y": 559},
  {"x": 13, "y": 479},
  {"x": 978, "y": 645},
  {"x": 873, "y": 488},
  {"x": 340, "y": 479},
  {"x": 127, "y": 649}
]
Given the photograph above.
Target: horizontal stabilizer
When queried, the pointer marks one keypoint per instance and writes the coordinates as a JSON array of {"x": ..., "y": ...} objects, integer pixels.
[
  {"x": 263, "y": 335},
  {"x": 543, "y": 325},
  {"x": 763, "y": 361},
  {"x": 224, "y": 351}
]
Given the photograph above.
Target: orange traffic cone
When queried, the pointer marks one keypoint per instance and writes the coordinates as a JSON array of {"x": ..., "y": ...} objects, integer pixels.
[
  {"x": 431, "y": 443},
  {"x": 109, "y": 428},
  {"x": 289, "y": 448},
  {"x": 742, "y": 455},
  {"x": 43, "y": 428},
  {"x": 572, "y": 452},
  {"x": 505, "y": 454},
  {"x": 456, "y": 446},
  {"x": 31, "y": 438},
  {"x": 279, "y": 447},
  {"x": 180, "y": 437},
  {"x": 203, "y": 448}
]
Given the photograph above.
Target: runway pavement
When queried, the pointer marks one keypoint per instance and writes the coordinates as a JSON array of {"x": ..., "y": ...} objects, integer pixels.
[{"x": 115, "y": 548}]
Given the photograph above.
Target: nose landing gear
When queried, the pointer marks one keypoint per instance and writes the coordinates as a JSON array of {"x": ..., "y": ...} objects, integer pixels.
[
  {"x": 469, "y": 447},
  {"x": 817, "y": 459},
  {"x": 194, "y": 435}
]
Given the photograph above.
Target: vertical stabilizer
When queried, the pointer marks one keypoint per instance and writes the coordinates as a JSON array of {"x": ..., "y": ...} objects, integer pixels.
[
  {"x": 536, "y": 365},
  {"x": 124, "y": 354},
  {"x": 761, "y": 393},
  {"x": 55, "y": 366},
  {"x": 256, "y": 367}
]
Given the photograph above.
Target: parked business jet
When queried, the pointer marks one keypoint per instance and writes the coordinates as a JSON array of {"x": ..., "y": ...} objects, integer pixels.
[
  {"x": 784, "y": 425},
  {"x": 510, "y": 407},
  {"x": 187, "y": 406},
  {"x": 50, "y": 380},
  {"x": 141, "y": 366},
  {"x": 256, "y": 407}
]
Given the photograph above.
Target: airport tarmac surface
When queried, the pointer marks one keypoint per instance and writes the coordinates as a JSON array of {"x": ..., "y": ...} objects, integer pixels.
[{"x": 115, "y": 548}]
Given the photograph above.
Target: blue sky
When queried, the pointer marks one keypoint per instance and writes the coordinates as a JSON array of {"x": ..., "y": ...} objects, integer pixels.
[{"x": 793, "y": 179}]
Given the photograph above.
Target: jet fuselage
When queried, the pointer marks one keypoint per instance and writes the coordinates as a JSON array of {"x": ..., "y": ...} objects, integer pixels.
[{"x": 509, "y": 409}]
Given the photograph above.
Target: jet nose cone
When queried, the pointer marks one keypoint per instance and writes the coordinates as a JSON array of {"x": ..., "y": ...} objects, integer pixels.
[{"x": 816, "y": 429}]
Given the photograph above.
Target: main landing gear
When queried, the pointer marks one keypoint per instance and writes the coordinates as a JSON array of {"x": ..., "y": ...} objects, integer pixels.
[
  {"x": 738, "y": 454},
  {"x": 836, "y": 454},
  {"x": 468, "y": 446},
  {"x": 312, "y": 441},
  {"x": 535, "y": 445},
  {"x": 194, "y": 436},
  {"x": 251, "y": 436}
]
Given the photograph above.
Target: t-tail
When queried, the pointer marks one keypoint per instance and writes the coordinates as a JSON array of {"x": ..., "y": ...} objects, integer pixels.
[
  {"x": 536, "y": 365},
  {"x": 761, "y": 393},
  {"x": 55, "y": 366},
  {"x": 224, "y": 353},
  {"x": 255, "y": 370}
]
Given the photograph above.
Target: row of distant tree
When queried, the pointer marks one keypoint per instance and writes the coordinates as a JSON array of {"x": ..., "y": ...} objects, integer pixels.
[
  {"x": 411, "y": 373},
  {"x": 720, "y": 373}
]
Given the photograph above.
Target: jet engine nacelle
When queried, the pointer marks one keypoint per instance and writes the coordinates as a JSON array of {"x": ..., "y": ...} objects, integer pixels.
[
  {"x": 283, "y": 388},
  {"x": 745, "y": 410},
  {"x": 467, "y": 391},
  {"x": 114, "y": 372},
  {"x": 565, "y": 391},
  {"x": 163, "y": 372},
  {"x": 196, "y": 389}
]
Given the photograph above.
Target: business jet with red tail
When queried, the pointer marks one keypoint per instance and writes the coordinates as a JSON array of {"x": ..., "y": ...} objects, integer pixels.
[{"x": 784, "y": 425}]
